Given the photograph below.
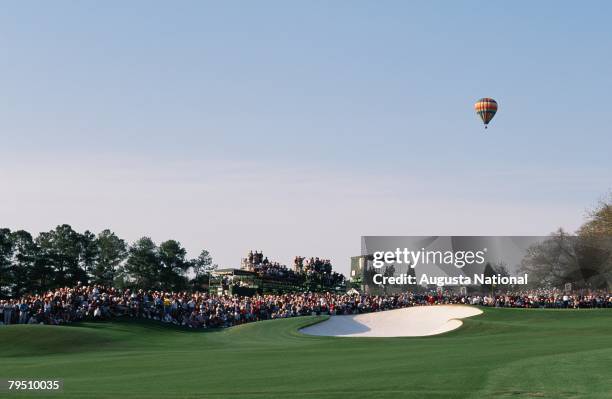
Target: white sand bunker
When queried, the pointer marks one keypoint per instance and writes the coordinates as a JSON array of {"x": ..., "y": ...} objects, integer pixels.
[{"x": 418, "y": 321}]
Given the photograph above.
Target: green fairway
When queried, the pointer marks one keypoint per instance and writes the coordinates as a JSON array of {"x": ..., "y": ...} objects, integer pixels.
[{"x": 503, "y": 353}]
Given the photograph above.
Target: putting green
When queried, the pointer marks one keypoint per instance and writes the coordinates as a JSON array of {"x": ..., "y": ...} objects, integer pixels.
[{"x": 501, "y": 353}]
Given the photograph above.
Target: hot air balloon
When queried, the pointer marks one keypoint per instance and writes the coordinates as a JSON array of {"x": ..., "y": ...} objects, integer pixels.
[{"x": 486, "y": 109}]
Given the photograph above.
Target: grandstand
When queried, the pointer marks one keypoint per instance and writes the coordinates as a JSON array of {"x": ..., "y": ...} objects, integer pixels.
[{"x": 258, "y": 275}]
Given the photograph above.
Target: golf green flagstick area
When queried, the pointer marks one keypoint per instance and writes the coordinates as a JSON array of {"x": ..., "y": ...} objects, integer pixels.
[{"x": 514, "y": 353}]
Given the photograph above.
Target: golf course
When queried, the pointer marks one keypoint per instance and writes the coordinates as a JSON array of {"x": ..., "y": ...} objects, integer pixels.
[{"x": 514, "y": 353}]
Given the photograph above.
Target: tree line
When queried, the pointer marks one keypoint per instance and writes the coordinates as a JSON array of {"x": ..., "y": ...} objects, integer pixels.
[
  {"x": 64, "y": 257},
  {"x": 583, "y": 260}
]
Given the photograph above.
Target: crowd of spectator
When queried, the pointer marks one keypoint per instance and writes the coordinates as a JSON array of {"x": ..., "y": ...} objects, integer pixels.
[
  {"x": 312, "y": 269},
  {"x": 312, "y": 265},
  {"x": 317, "y": 269},
  {"x": 256, "y": 262},
  {"x": 203, "y": 310},
  {"x": 547, "y": 298}
]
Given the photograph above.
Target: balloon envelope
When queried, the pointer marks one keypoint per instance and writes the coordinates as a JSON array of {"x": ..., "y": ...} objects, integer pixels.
[{"x": 486, "y": 109}]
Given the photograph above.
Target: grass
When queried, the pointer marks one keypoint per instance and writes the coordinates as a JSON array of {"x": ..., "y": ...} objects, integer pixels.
[{"x": 504, "y": 353}]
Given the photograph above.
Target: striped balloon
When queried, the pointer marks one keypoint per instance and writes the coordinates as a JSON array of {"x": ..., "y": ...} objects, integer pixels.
[{"x": 486, "y": 109}]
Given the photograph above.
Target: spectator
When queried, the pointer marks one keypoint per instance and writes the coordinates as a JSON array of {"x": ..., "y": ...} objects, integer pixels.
[{"x": 203, "y": 310}]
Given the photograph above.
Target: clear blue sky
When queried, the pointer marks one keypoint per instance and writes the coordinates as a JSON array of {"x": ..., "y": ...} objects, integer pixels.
[{"x": 296, "y": 127}]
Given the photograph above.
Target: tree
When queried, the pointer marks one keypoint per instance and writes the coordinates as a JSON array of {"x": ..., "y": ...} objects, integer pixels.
[
  {"x": 502, "y": 269},
  {"x": 594, "y": 263},
  {"x": 388, "y": 271},
  {"x": 203, "y": 264},
  {"x": 488, "y": 272},
  {"x": 111, "y": 251},
  {"x": 202, "y": 267},
  {"x": 30, "y": 271},
  {"x": 599, "y": 222},
  {"x": 552, "y": 262},
  {"x": 6, "y": 254},
  {"x": 62, "y": 249},
  {"x": 173, "y": 265},
  {"x": 595, "y": 247},
  {"x": 89, "y": 252},
  {"x": 583, "y": 261},
  {"x": 143, "y": 264},
  {"x": 368, "y": 279}
]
